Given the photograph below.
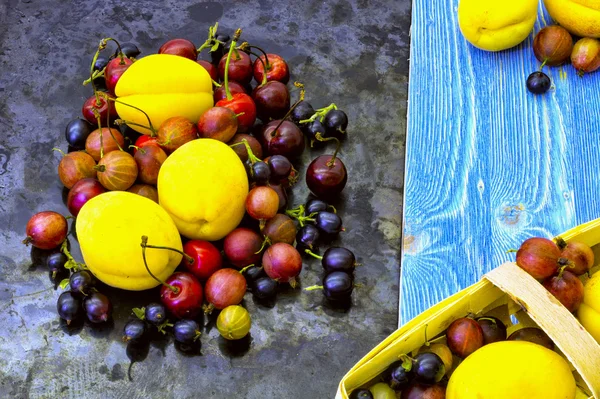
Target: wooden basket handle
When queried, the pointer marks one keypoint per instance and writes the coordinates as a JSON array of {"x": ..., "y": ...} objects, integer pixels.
[{"x": 568, "y": 334}]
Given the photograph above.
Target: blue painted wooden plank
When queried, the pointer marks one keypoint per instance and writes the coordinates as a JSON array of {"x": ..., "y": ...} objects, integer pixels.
[{"x": 487, "y": 163}]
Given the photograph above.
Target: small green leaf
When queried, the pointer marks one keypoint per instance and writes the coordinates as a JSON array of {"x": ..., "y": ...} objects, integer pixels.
[
  {"x": 161, "y": 327},
  {"x": 407, "y": 362},
  {"x": 64, "y": 283},
  {"x": 140, "y": 313}
]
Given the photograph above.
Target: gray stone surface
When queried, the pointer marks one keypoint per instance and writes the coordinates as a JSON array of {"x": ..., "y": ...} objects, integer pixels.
[{"x": 353, "y": 52}]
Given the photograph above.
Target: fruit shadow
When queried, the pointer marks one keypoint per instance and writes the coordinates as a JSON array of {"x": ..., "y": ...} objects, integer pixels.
[
  {"x": 136, "y": 352},
  {"x": 235, "y": 348}
]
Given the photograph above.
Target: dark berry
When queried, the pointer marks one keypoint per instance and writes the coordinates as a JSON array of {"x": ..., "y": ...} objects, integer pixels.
[
  {"x": 260, "y": 173},
  {"x": 338, "y": 286},
  {"x": 186, "y": 331},
  {"x": 155, "y": 313},
  {"x": 307, "y": 238},
  {"x": 81, "y": 282},
  {"x": 280, "y": 167},
  {"x": 338, "y": 259},
  {"x": 56, "y": 261},
  {"x": 134, "y": 330},
  {"x": 97, "y": 307},
  {"x": 302, "y": 111},
  {"x": 253, "y": 273},
  {"x": 329, "y": 223},
  {"x": 68, "y": 306},
  {"x": 129, "y": 50},
  {"x": 429, "y": 368},
  {"x": 264, "y": 288},
  {"x": 315, "y": 206},
  {"x": 361, "y": 394},
  {"x": 100, "y": 63},
  {"x": 398, "y": 377},
  {"x": 77, "y": 132},
  {"x": 311, "y": 129},
  {"x": 336, "y": 122},
  {"x": 538, "y": 83}
]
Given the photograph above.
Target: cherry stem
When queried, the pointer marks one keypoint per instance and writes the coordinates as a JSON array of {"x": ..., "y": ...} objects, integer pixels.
[
  {"x": 302, "y": 90},
  {"x": 266, "y": 64},
  {"x": 253, "y": 158},
  {"x": 331, "y": 162},
  {"x": 140, "y": 149},
  {"x": 94, "y": 59},
  {"x": 247, "y": 267},
  {"x": 274, "y": 132},
  {"x": 216, "y": 84},
  {"x": 95, "y": 75},
  {"x": 121, "y": 55},
  {"x": 314, "y": 255},
  {"x": 511, "y": 251},
  {"x": 236, "y": 36},
  {"x": 211, "y": 40},
  {"x": 149, "y": 127},
  {"x": 264, "y": 78},
  {"x": 266, "y": 241},
  {"x": 59, "y": 150},
  {"x": 320, "y": 113},
  {"x": 488, "y": 319},
  {"x": 145, "y": 245},
  {"x": 561, "y": 270},
  {"x": 313, "y": 288},
  {"x": 120, "y": 122}
]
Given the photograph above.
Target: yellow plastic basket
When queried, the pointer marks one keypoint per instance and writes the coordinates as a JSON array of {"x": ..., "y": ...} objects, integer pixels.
[{"x": 513, "y": 296}]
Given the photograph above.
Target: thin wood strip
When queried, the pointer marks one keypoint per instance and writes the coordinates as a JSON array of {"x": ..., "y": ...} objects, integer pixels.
[{"x": 565, "y": 330}]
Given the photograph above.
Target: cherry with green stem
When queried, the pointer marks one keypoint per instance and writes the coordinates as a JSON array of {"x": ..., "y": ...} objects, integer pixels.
[
  {"x": 239, "y": 102},
  {"x": 272, "y": 98},
  {"x": 95, "y": 107}
]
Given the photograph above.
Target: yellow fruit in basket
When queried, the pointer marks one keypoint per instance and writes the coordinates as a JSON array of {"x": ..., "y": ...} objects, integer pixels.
[
  {"x": 203, "y": 186},
  {"x": 163, "y": 86},
  {"x": 589, "y": 311},
  {"x": 512, "y": 369},
  {"x": 580, "y": 17},
  {"x": 495, "y": 25},
  {"x": 381, "y": 390},
  {"x": 110, "y": 227}
]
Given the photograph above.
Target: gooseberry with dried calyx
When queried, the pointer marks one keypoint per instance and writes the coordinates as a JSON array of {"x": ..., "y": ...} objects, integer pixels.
[
  {"x": 234, "y": 322},
  {"x": 586, "y": 55}
]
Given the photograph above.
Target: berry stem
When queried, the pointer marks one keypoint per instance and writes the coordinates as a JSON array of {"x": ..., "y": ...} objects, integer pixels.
[
  {"x": 314, "y": 255},
  {"x": 120, "y": 54},
  {"x": 314, "y": 288},
  {"x": 266, "y": 241},
  {"x": 211, "y": 41},
  {"x": 253, "y": 158},
  {"x": 320, "y": 113},
  {"x": 274, "y": 132},
  {"x": 266, "y": 65},
  {"x": 247, "y": 267},
  {"x": 71, "y": 262},
  {"x": 302, "y": 90},
  {"x": 59, "y": 150},
  {"x": 145, "y": 245},
  {"x": 95, "y": 75},
  {"x": 236, "y": 37},
  {"x": 151, "y": 127}
]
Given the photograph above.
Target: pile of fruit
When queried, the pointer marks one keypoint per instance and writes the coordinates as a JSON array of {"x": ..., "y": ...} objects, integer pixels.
[
  {"x": 178, "y": 176},
  {"x": 497, "y": 26},
  {"x": 475, "y": 357}
]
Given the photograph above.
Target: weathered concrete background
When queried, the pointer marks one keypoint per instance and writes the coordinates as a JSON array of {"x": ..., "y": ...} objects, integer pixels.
[{"x": 353, "y": 53}]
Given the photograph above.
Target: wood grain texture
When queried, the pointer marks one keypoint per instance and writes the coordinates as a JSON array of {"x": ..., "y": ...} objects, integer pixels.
[{"x": 487, "y": 163}]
